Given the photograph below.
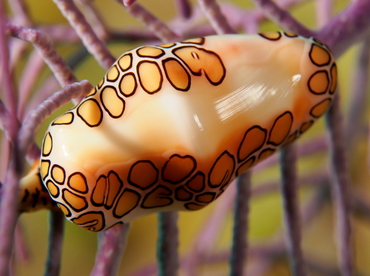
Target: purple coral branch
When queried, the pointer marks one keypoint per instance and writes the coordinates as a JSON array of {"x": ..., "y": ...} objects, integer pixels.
[
  {"x": 128, "y": 2},
  {"x": 207, "y": 236},
  {"x": 56, "y": 232},
  {"x": 43, "y": 45},
  {"x": 161, "y": 30},
  {"x": 368, "y": 146},
  {"x": 6, "y": 119},
  {"x": 42, "y": 93},
  {"x": 33, "y": 152},
  {"x": 215, "y": 17},
  {"x": 324, "y": 9},
  {"x": 19, "y": 11},
  {"x": 21, "y": 250},
  {"x": 60, "y": 33},
  {"x": 360, "y": 95},
  {"x": 29, "y": 76},
  {"x": 340, "y": 187},
  {"x": 184, "y": 8},
  {"x": 288, "y": 162},
  {"x": 9, "y": 210},
  {"x": 304, "y": 149},
  {"x": 9, "y": 191},
  {"x": 8, "y": 89},
  {"x": 111, "y": 246},
  {"x": 95, "y": 19},
  {"x": 282, "y": 17},
  {"x": 239, "y": 248},
  {"x": 167, "y": 244},
  {"x": 90, "y": 40},
  {"x": 38, "y": 115},
  {"x": 347, "y": 27}
]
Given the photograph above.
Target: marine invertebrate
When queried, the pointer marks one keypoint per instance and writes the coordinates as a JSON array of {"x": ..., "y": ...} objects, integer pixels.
[{"x": 170, "y": 126}]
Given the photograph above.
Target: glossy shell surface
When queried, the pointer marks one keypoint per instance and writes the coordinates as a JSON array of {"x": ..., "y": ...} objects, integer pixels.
[{"x": 170, "y": 126}]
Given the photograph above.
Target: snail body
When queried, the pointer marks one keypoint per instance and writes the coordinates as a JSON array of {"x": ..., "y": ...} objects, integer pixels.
[{"x": 170, "y": 126}]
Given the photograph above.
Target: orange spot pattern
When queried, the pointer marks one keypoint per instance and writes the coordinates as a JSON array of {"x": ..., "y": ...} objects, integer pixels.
[{"x": 181, "y": 178}]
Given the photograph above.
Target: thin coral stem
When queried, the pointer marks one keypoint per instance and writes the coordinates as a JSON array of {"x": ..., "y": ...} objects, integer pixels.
[
  {"x": 282, "y": 17},
  {"x": 45, "y": 109},
  {"x": 8, "y": 210},
  {"x": 312, "y": 180},
  {"x": 30, "y": 73},
  {"x": 128, "y": 2},
  {"x": 184, "y": 8},
  {"x": 111, "y": 246},
  {"x": 239, "y": 248},
  {"x": 291, "y": 209},
  {"x": 93, "y": 44},
  {"x": 21, "y": 250},
  {"x": 9, "y": 191},
  {"x": 267, "y": 251},
  {"x": 43, "y": 45},
  {"x": 5, "y": 120},
  {"x": 95, "y": 19},
  {"x": 360, "y": 95},
  {"x": 41, "y": 94},
  {"x": 207, "y": 236},
  {"x": 34, "y": 150},
  {"x": 318, "y": 144},
  {"x": 5, "y": 149},
  {"x": 60, "y": 33},
  {"x": 8, "y": 89},
  {"x": 167, "y": 244},
  {"x": 161, "y": 30},
  {"x": 347, "y": 27},
  {"x": 324, "y": 10},
  {"x": 368, "y": 147},
  {"x": 55, "y": 244},
  {"x": 19, "y": 11},
  {"x": 215, "y": 17},
  {"x": 340, "y": 187}
]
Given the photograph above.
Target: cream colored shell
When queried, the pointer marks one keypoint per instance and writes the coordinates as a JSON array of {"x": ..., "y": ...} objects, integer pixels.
[{"x": 170, "y": 126}]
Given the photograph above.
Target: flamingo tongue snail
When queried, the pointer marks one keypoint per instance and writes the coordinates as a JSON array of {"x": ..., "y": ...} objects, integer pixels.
[{"x": 170, "y": 126}]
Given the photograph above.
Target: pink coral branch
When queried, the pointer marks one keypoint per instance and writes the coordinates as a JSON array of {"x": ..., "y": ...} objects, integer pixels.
[
  {"x": 5, "y": 119},
  {"x": 96, "y": 21},
  {"x": 282, "y": 17},
  {"x": 368, "y": 147},
  {"x": 360, "y": 95},
  {"x": 43, "y": 45},
  {"x": 29, "y": 76},
  {"x": 111, "y": 246},
  {"x": 215, "y": 17},
  {"x": 340, "y": 187},
  {"x": 93, "y": 44},
  {"x": 239, "y": 249},
  {"x": 167, "y": 244},
  {"x": 288, "y": 161},
  {"x": 184, "y": 8},
  {"x": 60, "y": 33},
  {"x": 8, "y": 89},
  {"x": 37, "y": 116},
  {"x": 8, "y": 210},
  {"x": 5, "y": 115},
  {"x": 56, "y": 234},
  {"x": 161, "y": 30},
  {"x": 209, "y": 232},
  {"x": 128, "y": 2},
  {"x": 324, "y": 10},
  {"x": 41, "y": 94},
  {"x": 20, "y": 13},
  {"x": 347, "y": 27}
]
